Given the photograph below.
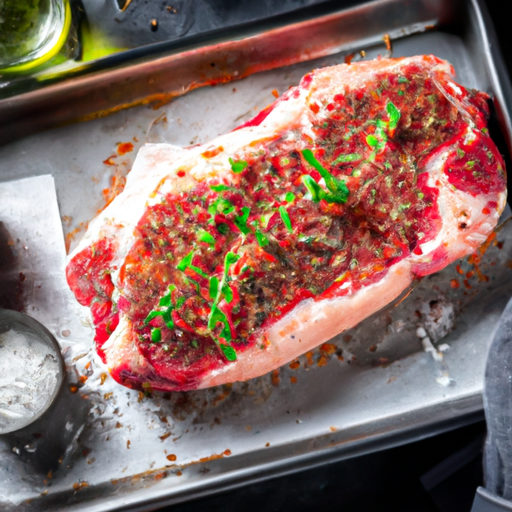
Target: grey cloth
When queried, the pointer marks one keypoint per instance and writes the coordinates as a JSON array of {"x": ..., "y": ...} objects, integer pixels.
[{"x": 498, "y": 410}]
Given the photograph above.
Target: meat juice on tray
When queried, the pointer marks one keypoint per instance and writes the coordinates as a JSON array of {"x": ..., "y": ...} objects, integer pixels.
[{"x": 224, "y": 261}]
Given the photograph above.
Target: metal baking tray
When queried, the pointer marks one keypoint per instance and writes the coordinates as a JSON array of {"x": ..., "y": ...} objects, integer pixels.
[{"x": 371, "y": 388}]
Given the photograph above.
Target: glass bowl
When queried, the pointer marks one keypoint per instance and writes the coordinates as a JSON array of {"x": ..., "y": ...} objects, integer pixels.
[{"x": 31, "y": 370}]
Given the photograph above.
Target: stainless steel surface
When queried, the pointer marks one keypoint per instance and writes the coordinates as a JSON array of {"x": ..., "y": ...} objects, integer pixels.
[
  {"x": 178, "y": 67},
  {"x": 135, "y": 452}
]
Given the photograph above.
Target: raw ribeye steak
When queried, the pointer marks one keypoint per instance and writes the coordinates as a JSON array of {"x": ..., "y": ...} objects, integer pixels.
[{"x": 223, "y": 261}]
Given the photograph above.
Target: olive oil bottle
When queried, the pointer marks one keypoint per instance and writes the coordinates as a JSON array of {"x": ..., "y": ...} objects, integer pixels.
[{"x": 31, "y": 32}]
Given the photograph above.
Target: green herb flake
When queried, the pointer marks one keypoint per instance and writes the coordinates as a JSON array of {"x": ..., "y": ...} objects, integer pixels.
[
  {"x": 156, "y": 335},
  {"x": 219, "y": 188},
  {"x": 289, "y": 197},
  {"x": 400, "y": 93},
  {"x": 461, "y": 153},
  {"x": 394, "y": 115},
  {"x": 314, "y": 189},
  {"x": 339, "y": 190},
  {"x": 222, "y": 206},
  {"x": 186, "y": 262},
  {"x": 343, "y": 159},
  {"x": 372, "y": 141},
  {"x": 237, "y": 166},
  {"x": 214, "y": 287},
  {"x": 241, "y": 220},
  {"x": 204, "y": 236},
  {"x": 261, "y": 238},
  {"x": 403, "y": 80},
  {"x": 229, "y": 352},
  {"x": 217, "y": 316},
  {"x": 286, "y": 218}
]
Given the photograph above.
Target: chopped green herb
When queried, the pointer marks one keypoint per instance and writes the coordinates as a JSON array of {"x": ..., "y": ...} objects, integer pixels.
[
  {"x": 241, "y": 220},
  {"x": 372, "y": 141},
  {"x": 261, "y": 238},
  {"x": 186, "y": 262},
  {"x": 461, "y": 153},
  {"x": 314, "y": 189},
  {"x": 217, "y": 316},
  {"x": 228, "y": 293},
  {"x": 221, "y": 205},
  {"x": 214, "y": 287},
  {"x": 156, "y": 335},
  {"x": 152, "y": 315},
  {"x": 403, "y": 80},
  {"x": 289, "y": 197},
  {"x": 237, "y": 166},
  {"x": 400, "y": 93},
  {"x": 204, "y": 236},
  {"x": 470, "y": 164},
  {"x": 338, "y": 188},
  {"x": 394, "y": 115},
  {"x": 343, "y": 159},
  {"x": 286, "y": 218},
  {"x": 229, "y": 352},
  {"x": 219, "y": 188}
]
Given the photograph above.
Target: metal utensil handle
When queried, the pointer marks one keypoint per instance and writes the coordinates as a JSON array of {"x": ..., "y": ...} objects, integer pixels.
[{"x": 488, "y": 502}]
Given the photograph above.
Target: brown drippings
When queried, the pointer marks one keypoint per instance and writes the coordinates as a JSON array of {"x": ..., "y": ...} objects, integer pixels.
[
  {"x": 294, "y": 365},
  {"x": 124, "y": 147},
  {"x": 328, "y": 349},
  {"x": 387, "y": 41}
]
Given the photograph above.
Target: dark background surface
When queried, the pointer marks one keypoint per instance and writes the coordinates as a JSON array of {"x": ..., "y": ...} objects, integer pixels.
[{"x": 438, "y": 474}]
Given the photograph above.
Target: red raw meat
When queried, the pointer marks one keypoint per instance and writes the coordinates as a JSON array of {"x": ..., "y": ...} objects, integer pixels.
[{"x": 224, "y": 261}]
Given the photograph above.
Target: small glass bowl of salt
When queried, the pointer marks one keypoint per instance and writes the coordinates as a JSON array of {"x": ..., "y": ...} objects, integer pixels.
[{"x": 31, "y": 370}]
